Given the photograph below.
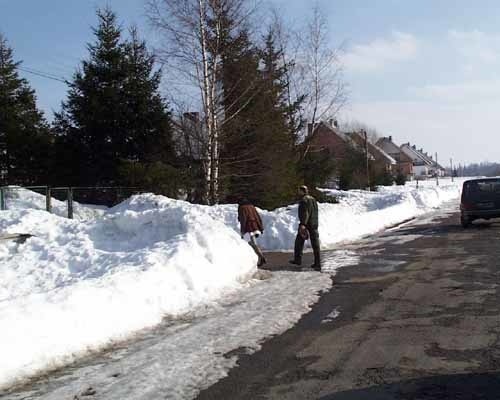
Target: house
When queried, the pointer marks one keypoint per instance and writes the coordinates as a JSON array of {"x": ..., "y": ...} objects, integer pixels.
[
  {"x": 379, "y": 156},
  {"x": 436, "y": 169},
  {"x": 404, "y": 162},
  {"x": 327, "y": 136},
  {"x": 423, "y": 164}
]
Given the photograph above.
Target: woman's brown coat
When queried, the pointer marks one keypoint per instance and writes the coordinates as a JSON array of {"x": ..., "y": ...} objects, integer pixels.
[{"x": 249, "y": 219}]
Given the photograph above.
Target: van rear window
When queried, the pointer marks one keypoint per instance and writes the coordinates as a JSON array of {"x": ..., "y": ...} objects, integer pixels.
[{"x": 486, "y": 186}]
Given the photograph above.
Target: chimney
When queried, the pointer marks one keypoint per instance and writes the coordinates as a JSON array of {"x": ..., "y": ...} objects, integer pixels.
[
  {"x": 192, "y": 116},
  {"x": 333, "y": 123},
  {"x": 390, "y": 138},
  {"x": 414, "y": 147},
  {"x": 421, "y": 150}
]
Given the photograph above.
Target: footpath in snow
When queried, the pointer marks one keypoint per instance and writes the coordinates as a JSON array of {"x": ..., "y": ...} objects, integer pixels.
[{"x": 80, "y": 285}]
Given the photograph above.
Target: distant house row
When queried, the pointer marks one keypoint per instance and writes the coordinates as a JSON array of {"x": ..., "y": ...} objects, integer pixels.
[{"x": 405, "y": 159}]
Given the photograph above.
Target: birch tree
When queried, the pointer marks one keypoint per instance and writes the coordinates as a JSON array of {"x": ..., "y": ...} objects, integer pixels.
[
  {"x": 320, "y": 70},
  {"x": 289, "y": 48},
  {"x": 193, "y": 49}
]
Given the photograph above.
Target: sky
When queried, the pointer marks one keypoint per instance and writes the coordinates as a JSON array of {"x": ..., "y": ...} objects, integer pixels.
[{"x": 424, "y": 72}]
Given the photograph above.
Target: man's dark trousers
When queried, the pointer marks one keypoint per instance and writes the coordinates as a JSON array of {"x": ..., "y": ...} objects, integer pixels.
[{"x": 299, "y": 245}]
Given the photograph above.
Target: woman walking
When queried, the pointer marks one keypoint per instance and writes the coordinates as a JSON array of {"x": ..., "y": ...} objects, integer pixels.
[{"x": 251, "y": 223}]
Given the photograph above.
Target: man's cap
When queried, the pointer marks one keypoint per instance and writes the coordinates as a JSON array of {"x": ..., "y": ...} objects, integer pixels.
[{"x": 304, "y": 188}]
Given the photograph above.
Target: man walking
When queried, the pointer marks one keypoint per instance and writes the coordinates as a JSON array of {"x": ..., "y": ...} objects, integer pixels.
[{"x": 308, "y": 228}]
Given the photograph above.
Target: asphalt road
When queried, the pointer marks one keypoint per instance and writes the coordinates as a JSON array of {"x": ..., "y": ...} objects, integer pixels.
[{"x": 419, "y": 319}]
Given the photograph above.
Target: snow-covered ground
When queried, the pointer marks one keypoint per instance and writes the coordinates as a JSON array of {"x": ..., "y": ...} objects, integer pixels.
[
  {"x": 19, "y": 198},
  {"x": 78, "y": 286}
]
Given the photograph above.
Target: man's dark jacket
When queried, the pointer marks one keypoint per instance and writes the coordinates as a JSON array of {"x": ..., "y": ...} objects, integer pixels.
[{"x": 308, "y": 212}]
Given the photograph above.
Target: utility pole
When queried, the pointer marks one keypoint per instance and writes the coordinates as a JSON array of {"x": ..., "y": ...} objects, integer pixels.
[
  {"x": 437, "y": 171},
  {"x": 451, "y": 168},
  {"x": 367, "y": 161}
]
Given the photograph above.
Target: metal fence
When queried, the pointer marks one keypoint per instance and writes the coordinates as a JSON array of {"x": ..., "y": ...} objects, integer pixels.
[{"x": 98, "y": 195}]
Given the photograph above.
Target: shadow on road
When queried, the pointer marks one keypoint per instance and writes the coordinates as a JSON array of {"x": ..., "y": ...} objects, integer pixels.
[
  {"x": 281, "y": 268},
  {"x": 446, "y": 387},
  {"x": 444, "y": 229}
]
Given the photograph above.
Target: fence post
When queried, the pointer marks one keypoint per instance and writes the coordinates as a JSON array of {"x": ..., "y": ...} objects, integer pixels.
[
  {"x": 70, "y": 203},
  {"x": 2, "y": 198},
  {"x": 48, "y": 199}
]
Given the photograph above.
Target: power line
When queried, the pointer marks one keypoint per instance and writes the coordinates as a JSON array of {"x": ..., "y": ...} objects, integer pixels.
[{"x": 42, "y": 74}]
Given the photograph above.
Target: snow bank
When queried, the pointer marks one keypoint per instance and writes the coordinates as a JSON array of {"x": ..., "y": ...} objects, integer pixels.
[
  {"x": 77, "y": 286},
  {"x": 359, "y": 213},
  {"x": 18, "y": 198}
]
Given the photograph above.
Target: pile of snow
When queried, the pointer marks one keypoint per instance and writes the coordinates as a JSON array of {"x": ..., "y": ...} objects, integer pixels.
[
  {"x": 358, "y": 214},
  {"x": 17, "y": 198},
  {"x": 77, "y": 286}
]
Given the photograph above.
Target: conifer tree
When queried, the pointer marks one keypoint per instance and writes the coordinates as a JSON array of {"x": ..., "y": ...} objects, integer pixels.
[
  {"x": 114, "y": 121},
  {"x": 258, "y": 158},
  {"x": 276, "y": 128},
  {"x": 24, "y": 133},
  {"x": 149, "y": 131},
  {"x": 91, "y": 119},
  {"x": 239, "y": 140}
]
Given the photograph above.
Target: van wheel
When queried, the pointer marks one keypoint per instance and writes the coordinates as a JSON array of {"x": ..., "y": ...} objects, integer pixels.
[{"x": 464, "y": 221}]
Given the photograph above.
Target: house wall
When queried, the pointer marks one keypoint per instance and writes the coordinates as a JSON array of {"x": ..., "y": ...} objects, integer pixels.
[
  {"x": 325, "y": 138},
  {"x": 404, "y": 162},
  {"x": 406, "y": 168},
  {"x": 381, "y": 161},
  {"x": 421, "y": 170}
]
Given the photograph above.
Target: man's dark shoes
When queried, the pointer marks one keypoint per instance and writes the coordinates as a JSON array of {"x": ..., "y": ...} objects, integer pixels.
[
  {"x": 295, "y": 262},
  {"x": 316, "y": 267}
]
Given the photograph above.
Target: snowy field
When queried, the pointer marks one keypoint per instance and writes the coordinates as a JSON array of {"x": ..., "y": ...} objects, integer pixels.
[{"x": 81, "y": 285}]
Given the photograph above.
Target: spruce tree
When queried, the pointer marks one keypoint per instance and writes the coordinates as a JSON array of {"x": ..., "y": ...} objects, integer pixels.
[
  {"x": 114, "y": 117},
  {"x": 277, "y": 128},
  {"x": 239, "y": 150},
  {"x": 91, "y": 120},
  {"x": 259, "y": 135},
  {"x": 149, "y": 130},
  {"x": 149, "y": 158},
  {"x": 24, "y": 133}
]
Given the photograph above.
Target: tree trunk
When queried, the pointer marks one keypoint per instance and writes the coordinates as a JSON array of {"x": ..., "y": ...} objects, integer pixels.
[{"x": 207, "y": 104}]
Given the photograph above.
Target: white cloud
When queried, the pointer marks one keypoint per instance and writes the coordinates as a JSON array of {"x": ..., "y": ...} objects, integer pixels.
[
  {"x": 453, "y": 106},
  {"x": 477, "y": 91},
  {"x": 381, "y": 52},
  {"x": 477, "y": 46}
]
